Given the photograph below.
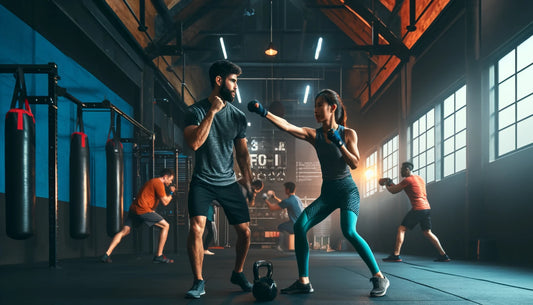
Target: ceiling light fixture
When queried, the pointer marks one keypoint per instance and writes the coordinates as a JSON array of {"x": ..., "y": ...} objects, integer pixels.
[
  {"x": 271, "y": 51},
  {"x": 318, "y": 48},
  {"x": 306, "y": 95},
  {"x": 223, "y": 48}
]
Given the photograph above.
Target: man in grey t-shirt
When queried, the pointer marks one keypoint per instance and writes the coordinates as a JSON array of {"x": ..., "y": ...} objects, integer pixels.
[{"x": 214, "y": 127}]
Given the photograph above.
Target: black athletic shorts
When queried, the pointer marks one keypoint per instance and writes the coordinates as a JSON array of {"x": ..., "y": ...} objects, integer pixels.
[
  {"x": 414, "y": 217},
  {"x": 133, "y": 220},
  {"x": 230, "y": 197}
]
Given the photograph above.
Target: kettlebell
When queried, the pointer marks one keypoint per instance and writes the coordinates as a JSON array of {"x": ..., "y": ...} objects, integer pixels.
[{"x": 265, "y": 288}]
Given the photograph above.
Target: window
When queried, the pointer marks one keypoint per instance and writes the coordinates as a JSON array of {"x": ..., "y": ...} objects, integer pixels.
[
  {"x": 512, "y": 92},
  {"x": 454, "y": 132},
  {"x": 390, "y": 159},
  {"x": 423, "y": 146},
  {"x": 371, "y": 183}
]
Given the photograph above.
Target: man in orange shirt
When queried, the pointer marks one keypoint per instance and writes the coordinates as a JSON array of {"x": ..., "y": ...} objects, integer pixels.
[
  {"x": 142, "y": 210},
  {"x": 415, "y": 188}
]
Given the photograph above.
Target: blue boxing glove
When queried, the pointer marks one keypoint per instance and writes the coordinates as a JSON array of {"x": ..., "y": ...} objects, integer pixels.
[
  {"x": 335, "y": 137},
  {"x": 255, "y": 106}
]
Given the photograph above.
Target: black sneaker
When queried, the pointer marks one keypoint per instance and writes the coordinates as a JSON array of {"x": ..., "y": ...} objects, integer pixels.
[
  {"x": 240, "y": 279},
  {"x": 443, "y": 258},
  {"x": 392, "y": 258},
  {"x": 197, "y": 290},
  {"x": 298, "y": 287},
  {"x": 161, "y": 259},
  {"x": 380, "y": 286},
  {"x": 106, "y": 259}
]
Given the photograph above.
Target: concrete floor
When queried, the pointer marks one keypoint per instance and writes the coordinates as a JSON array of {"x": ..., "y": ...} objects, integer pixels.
[{"x": 337, "y": 277}]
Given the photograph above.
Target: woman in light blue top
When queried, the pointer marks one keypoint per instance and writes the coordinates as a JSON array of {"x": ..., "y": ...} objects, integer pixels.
[{"x": 336, "y": 147}]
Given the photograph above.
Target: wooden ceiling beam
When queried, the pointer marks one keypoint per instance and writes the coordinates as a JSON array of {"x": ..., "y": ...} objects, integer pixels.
[{"x": 358, "y": 28}]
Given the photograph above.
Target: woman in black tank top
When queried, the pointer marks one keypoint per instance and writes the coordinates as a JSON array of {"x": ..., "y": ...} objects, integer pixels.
[{"x": 337, "y": 152}]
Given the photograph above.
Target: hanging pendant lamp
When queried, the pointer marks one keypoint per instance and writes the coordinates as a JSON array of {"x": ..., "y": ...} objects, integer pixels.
[{"x": 271, "y": 51}]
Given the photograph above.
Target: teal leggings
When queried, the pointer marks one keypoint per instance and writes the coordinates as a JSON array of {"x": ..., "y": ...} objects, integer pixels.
[{"x": 348, "y": 221}]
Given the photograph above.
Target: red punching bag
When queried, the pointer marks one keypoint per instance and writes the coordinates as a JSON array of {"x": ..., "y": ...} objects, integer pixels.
[
  {"x": 115, "y": 179},
  {"x": 20, "y": 164},
  {"x": 80, "y": 190}
]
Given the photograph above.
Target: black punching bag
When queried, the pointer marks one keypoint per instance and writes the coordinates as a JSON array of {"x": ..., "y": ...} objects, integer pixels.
[
  {"x": 115, "y": 178},
  {"x": 20, "y": 165},
  {"x": 80, "y": 190}
]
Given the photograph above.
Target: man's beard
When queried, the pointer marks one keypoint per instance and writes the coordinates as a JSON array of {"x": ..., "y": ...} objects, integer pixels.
[{"x": 225, "y": 93}]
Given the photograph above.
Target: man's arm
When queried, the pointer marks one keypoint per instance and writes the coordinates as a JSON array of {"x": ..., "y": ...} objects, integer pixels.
[
  {"x": 395, "y": 188},
  {"x": 272, "y": 206},
  {"x": 165, "y": 200},
  {"x": 243, "y": 161},
  {"x": 195, "y": 135},
  {"x": 251, "y": 201},
  {"x": 273, "y": 196}
]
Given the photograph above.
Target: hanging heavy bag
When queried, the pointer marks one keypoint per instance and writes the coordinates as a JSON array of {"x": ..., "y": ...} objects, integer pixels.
[
  {"x": 80, "y": 190},
  {"x": 20, "y": 164},
  {"x": 265, "y": 288},
  {"x": 115, "y": 178}
]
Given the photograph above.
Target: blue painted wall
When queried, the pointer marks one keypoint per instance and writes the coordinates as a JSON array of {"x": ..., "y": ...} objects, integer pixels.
[{"x": 22, "y": 45}]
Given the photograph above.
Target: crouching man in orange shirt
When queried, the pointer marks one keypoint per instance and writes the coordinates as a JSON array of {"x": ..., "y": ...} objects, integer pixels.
[{"x": 142, "y": 210}]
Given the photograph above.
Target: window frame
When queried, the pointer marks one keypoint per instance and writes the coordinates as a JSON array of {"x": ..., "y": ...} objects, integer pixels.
[
  {"x": 443, "y": 138},
  {"x": 494, "y": 86},
  {"x": 411, "y": 140},
  {"x": 394, "y": 168},
  {"x": 371, "y": 183}
]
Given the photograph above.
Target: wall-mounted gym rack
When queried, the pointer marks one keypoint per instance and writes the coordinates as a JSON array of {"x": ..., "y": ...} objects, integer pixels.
[{"x": 51, "y": 100}]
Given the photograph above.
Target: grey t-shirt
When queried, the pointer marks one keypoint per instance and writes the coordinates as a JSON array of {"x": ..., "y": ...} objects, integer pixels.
[
  {"x": 214, "y": 159},
  {"x": 294, "y": 207}
]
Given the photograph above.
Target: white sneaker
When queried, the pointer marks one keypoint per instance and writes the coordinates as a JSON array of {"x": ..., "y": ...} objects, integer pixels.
[{"x": 207, "y": 252}]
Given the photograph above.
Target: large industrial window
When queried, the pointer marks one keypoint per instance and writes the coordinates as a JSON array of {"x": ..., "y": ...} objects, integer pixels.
[
  {"x": 390, "y": 159},
  {"x": 454, "y": 132},
  {"x": 422, "y": 133},
  {"x": 371, "y": 183},
  {"x": 512, "y": 95}
]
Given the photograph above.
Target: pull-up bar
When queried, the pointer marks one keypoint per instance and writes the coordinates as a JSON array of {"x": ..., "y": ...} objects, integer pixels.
[
  {"x": 33, "y": 69},
  {"x": 106, "y": 104}
]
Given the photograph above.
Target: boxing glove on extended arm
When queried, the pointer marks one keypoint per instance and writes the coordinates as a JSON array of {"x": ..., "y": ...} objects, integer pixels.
[
  {"x": 335, "y": 138},
  {"x": 255, "y": 106},
  {"x": 385, "y": 181}
]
